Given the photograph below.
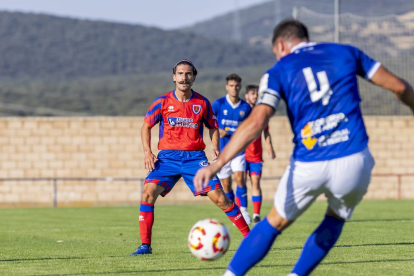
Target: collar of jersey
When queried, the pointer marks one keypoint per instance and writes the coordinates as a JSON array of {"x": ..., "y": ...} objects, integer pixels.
[
  {"x": 302, "y": 45},
  {"x": 192, "y": 94},
  {"x": 234, "y": 106}
]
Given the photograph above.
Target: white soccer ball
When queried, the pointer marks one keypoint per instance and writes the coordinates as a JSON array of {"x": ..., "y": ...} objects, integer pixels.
[{"x": 209, "y": 239}]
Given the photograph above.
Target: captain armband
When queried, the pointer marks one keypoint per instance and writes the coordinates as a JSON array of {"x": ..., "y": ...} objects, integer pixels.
[{"x": 269, "y": 98}]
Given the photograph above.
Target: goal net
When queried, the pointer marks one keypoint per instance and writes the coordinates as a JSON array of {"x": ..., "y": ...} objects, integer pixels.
[{"x": 388, "y": 39}]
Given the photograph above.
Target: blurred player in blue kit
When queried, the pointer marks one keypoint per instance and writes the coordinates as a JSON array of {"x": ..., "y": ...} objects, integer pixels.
[
  {"x": 230, "y": 111},
  {"x": 318, "y": 82}
]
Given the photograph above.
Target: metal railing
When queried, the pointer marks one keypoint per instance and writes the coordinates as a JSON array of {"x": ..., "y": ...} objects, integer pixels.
[{"x": 55, "y": 180}]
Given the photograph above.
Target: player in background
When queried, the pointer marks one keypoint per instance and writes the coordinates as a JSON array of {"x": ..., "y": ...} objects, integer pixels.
[
  {"x": 331, "y": 154},
  {"x": 230, "y": 111},
  {"x": 254, "y": 156},
  {"x": 181, "y": 114}
]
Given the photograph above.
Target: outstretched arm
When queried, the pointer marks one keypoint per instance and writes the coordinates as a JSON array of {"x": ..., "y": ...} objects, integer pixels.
[
  {"x": 215, "y": 140},
  {"x": 249, "y": 130},
  {"x": 270, "y": 149},
  {"x": 402, "y": 89},
  {"x": 149, "y": 157}
]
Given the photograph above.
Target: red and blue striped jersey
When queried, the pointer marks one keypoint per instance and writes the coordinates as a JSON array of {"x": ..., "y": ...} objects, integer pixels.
[
  {"x": 181, "y": 123},
  {"x": 254, "y": 151}
]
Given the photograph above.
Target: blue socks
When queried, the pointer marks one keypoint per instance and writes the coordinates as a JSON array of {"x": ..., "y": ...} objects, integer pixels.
[
  {"x": 241, "y": 193},
  {"x": 253, "y": 248},
  {"x": 318, "y": 245},
  {"x": 230, "y": 195}
]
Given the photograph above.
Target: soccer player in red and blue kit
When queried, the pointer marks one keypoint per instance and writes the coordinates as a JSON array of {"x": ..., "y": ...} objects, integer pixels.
[
  {"x": 181, "y": 114},
  {"x": 254, "y": 156}
]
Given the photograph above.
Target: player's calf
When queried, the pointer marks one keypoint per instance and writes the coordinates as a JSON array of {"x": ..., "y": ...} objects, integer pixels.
[{"x": 232, "y": 210}]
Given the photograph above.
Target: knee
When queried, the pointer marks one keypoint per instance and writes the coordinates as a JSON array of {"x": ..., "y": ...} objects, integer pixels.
[
  {"x": 239, "y": 180},
  {"x": 221, "y": 200},
  {"x": 277, "y": 221},
  {"x": 147, "y": 196}
]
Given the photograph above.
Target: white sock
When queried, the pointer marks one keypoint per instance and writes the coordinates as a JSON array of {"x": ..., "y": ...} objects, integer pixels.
[{"x": 229, "y": 273}]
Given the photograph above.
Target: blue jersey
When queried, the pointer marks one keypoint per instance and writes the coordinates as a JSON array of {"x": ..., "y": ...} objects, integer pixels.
[
  {"x": 319, "y": 84},
  {"x": 230, "y": 116}
]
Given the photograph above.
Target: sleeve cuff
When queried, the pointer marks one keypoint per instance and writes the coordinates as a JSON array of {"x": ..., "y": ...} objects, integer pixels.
[{"x": 373, "y": 70}]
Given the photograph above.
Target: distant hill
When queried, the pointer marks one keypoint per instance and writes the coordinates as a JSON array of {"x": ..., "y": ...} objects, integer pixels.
[
  {"x": 128, "y": 95},
  {"x": 53, "y": 66},
  {"x": 41, "y": 46},
  {"x": 257, "y": 22}
]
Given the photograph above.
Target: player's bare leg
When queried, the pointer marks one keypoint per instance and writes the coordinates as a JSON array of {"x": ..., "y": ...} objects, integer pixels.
[
  {"x": 226, "y": 183},
  {"x": 241, "y": 194},
  {"x": 256, "y": 197},
  {"x": 146, "y": 216},
  {"x": 232, "y": 210},
  {"x": 151, "y": 193}
]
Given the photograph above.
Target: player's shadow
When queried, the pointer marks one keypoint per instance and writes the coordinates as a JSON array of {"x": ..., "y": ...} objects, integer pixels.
[
  {"x": 347, "y": 245},
  {"x": 361, "y": 220},
  {"x": 344, "y": 245},
  {"x": 42, "y": 259},
  {"x": 218, "y": 268},
  {"x": 379, "y": 220},
  {"x": 354, "y": 262}
]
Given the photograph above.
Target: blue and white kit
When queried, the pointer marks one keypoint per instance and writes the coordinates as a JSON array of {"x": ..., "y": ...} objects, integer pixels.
[
  {"x": 229, "y": 117},
  {"x": 319, "y": 84}
]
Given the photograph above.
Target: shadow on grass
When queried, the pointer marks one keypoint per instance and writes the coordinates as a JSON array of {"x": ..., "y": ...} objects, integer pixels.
[
  {"x": 339, "y": 246},
  {"x": 381, "y": 220},
  {"x": 351, "y": 245},
  {"x": 231, "y": 250},
  {"x": 361, "y": 221},
  {"x": 216, "y": 268},
  {"x": 42, "y": 259}
]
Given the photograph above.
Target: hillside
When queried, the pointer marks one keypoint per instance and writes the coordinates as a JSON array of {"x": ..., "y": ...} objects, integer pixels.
[
  {"x": 128, "y": 95},
  {"x": 52, "y": 66},
  {"x": 257, "y": 22},
  {"x": 131, "y": 95},
  {"x": 43, "y": 46}
]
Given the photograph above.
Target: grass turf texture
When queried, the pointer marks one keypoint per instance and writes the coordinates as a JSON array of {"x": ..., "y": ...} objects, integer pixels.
[{"x": 379, "y": 240}]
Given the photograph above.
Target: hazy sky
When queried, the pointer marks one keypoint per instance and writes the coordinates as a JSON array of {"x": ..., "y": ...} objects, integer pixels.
[{"x": 166, "y": 14}]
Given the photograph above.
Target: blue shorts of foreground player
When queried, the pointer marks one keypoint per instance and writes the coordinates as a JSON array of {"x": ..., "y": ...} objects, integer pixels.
[
  {"x": 174, "y": 164},
  {"x": 254, "y": 168}
]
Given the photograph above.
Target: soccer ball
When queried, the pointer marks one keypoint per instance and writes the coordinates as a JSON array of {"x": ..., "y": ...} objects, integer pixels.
[{"x": 208, "y": 239}]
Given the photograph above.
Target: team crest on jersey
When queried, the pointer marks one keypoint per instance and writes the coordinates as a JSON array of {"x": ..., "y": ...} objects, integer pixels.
[
  {"x": 242, "y": 113},
  {"x": 196, "y": 108},
  {"x": 225, "y": 112},
  {"x": 204, "y": 163}
]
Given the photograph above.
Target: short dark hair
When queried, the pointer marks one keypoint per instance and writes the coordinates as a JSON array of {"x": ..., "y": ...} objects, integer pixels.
[
  {"x": 290, "y": 28},
  {"x": 234, "y": 77},
  {"x": 251, "y": 87},
  {"x": 187, "y": 62}
]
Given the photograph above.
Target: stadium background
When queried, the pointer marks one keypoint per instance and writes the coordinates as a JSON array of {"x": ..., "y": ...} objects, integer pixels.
[
  {"x": 81, "y": 159},
  {"x": 38, "y": 153}
]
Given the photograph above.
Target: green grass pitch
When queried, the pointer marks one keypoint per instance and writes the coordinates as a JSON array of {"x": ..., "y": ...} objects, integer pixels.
[{"x": 379, "y": 240}]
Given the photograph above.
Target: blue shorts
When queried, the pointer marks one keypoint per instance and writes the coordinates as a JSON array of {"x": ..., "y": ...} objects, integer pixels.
[
  {"x": 174, "y": 164},
  {"x": 254, "y": 168}
]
